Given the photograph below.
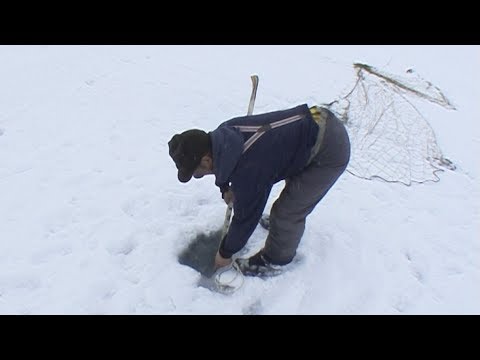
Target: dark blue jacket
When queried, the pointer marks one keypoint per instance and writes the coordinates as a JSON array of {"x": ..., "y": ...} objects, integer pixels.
[{"x": 279, "y": 154}]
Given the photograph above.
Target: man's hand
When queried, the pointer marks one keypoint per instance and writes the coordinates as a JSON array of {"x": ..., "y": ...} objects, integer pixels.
[
  {"x": 221, "y": 261},
  {"x": 228, "y": 197}
]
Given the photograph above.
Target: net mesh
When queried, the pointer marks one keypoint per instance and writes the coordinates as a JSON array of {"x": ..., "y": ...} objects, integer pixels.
[{"x": 390, "y": 138}]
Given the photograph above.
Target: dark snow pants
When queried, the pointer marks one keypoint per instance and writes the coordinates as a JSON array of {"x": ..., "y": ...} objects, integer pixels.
[{"x": 304, "y": 191}]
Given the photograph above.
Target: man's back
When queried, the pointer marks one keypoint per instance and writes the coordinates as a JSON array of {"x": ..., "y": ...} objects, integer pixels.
[{"x": 276, "y": 154}]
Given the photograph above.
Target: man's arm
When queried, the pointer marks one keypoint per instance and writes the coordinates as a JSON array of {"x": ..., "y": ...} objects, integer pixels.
[{"x": 248, "y": 209}]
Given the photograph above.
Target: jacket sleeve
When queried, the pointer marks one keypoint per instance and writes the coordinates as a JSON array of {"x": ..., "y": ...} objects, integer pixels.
[
  {"x": 248, "y": 208},
  {"x": 224, "y": 188}
]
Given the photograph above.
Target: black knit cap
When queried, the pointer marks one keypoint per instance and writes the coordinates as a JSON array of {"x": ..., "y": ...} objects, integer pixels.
[{"x": 187, "y": 149}]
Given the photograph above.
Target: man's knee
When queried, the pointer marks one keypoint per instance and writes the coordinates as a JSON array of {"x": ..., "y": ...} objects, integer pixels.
[{"x": 284, "y": 213}]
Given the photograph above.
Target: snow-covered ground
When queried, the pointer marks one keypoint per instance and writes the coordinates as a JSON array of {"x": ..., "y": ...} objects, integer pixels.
[{"x": 92, "y": 217}]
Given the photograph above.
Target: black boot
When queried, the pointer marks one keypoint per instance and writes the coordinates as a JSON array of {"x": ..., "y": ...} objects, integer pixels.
[{"x": 258, "y": 265}]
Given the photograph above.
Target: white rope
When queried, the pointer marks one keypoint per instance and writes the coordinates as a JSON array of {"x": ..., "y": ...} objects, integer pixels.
[{"x": 227, "y": 285}]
